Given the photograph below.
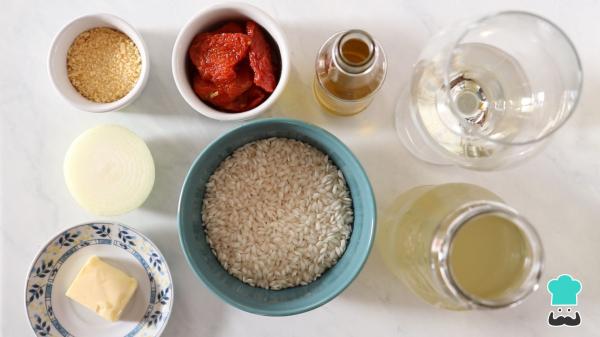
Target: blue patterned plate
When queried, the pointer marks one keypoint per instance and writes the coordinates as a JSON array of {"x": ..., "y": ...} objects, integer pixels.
[{"x": 52, "y": 314}]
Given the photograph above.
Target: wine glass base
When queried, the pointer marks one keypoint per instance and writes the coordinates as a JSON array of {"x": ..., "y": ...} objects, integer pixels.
[{"x": 411, "y": 137}]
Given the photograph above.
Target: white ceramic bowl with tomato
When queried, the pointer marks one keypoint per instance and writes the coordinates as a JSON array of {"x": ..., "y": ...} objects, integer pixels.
[{"x": 206, "y": 21}]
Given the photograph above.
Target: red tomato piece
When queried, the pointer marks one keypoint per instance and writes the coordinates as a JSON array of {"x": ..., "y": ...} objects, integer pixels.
[
  {"x": 216, "y": 55},
  {"x": 260, "y": 58},
  {"x": 231, "y": 27},
  {"x": 249, "y": 100},
  {"x": 222, "y": 93}
]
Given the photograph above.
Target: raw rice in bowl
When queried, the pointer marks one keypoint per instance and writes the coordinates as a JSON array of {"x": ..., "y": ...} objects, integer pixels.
[
  {"x": 276, "y": 217},
  {"x": 277, "y": 213}
]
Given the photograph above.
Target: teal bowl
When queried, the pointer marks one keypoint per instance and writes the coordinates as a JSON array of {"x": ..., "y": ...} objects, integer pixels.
[{"x": 288, "y": 301}]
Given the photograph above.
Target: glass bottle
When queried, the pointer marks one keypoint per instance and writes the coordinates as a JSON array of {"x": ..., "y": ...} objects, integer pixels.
[
  {"x": 350, "y": 69},
  {"x": 459, "y": 247}
]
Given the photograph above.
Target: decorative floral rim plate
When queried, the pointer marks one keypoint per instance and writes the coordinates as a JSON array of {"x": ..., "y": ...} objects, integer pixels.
[{"x": 52, "y": 314}]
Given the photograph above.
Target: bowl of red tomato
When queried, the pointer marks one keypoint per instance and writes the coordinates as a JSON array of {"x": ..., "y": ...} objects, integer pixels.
[{"x": 231, "y": 62}]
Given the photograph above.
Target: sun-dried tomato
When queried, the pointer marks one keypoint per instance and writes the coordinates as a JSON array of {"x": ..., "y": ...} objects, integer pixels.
[
  {"x": 215, "y": 55},
  {"x": 231, "y": 27},
  {"x": 234, "y": 70},
  {"x": 255, "y": 96},
  {"x": 250, "y": 99},
  {"x": 260, "y": 58},
  {"x": 222, "y": 93}
]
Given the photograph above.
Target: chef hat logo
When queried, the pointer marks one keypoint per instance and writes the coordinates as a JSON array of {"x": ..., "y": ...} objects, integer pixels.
[{"x": 564, "y": 290}]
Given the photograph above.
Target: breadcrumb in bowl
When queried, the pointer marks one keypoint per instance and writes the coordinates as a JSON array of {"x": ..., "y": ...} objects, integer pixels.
[
  {"x": 102, "y": 80},
  {"x": 103, "y": 64}
]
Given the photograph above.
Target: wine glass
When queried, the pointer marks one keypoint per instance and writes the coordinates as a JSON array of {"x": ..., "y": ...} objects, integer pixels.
[{"x": 487, "y": 94}]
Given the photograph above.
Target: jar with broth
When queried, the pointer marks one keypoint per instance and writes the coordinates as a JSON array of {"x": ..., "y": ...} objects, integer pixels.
[
  {"x": 458, "y": 246},
  {"x": 350, "y": 69}
]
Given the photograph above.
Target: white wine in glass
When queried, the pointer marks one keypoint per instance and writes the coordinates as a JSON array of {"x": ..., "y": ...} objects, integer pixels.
[{"x": 486, "y": 94}]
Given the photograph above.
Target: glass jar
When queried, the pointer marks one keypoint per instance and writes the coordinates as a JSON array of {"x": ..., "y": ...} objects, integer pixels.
[
  {"x": 350, "y": 69},
  {"x": 458, "y": 246}
]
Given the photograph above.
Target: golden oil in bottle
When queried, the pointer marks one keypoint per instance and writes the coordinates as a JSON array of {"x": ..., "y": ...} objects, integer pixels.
[{"x": 350, "y": 69}]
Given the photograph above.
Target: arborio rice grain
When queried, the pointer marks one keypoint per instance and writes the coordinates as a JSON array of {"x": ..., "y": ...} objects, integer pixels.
[{"x": 277, "y": 213}]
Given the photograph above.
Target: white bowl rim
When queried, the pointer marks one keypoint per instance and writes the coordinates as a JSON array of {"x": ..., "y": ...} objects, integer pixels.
[
  {"x": 133, "y": 94},
  {"x": 179, "y": 52}
]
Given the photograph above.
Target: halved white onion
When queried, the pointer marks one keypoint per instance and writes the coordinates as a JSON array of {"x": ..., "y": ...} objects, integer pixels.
[{"x": 109, "y": 170}]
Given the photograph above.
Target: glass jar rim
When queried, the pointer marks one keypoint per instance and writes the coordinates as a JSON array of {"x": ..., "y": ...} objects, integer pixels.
[
  {"x": 448, "y": 228},
  {"x": 470, "y": 26}
]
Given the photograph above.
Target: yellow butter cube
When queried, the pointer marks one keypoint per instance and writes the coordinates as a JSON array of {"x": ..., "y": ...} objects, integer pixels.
[{"x": 102, "y": 288}]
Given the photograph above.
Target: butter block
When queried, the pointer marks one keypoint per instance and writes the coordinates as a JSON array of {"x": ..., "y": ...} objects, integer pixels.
[{"x": 102, "y": 288}]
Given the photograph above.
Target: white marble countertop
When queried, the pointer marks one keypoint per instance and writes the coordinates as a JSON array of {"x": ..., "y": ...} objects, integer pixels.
[{"x": 559, "y": 190}]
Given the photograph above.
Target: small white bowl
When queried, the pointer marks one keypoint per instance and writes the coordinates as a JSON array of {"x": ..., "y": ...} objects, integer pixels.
[
  {"x": 206, "y": 20},
  {"x": 57, "y": 61}
]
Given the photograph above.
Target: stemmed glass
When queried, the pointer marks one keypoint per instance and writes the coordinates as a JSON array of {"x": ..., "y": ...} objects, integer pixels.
[{"x": 488, "y": 93}]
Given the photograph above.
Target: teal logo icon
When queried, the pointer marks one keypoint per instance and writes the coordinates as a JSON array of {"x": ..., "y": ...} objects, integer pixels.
[{"x": 564, "y": 291}]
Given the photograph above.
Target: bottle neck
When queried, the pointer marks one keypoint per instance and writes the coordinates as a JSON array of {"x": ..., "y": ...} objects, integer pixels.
[
  {"x": 354, "y": 51},
  {"x": 441, "y": 247}
]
